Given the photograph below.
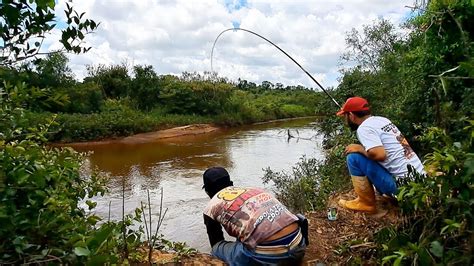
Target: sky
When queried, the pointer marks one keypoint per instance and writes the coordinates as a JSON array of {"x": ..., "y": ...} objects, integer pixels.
[{"x": 177, "y": 35}]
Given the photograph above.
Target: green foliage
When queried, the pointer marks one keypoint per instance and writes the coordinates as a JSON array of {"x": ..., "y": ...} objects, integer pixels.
[
  {"x": 25, "y": 23},
  {"x": 180, "y": 249},
  {"x": 193, "y": 96},
  {"x": 296, "y": 190},
  {"x": 52, "y": 72},
  {"x": 438, "y": 208},
  {"x": 114, "y": 80},
  {"x": 145, "y": 87},
  {"x": 116, "y": 119},
  {"x": 109, "y": 103},
  {"x": 84, "y": 98},
  {"x": 369, "y": 48},
  {"x": 43, "y": 194},
  {"x": 440, "y": 43},
  {"x": 40, "y": 191}
]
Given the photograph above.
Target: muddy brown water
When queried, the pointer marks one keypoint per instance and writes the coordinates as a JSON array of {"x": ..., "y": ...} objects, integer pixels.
[{"x": 177, "y": 164}]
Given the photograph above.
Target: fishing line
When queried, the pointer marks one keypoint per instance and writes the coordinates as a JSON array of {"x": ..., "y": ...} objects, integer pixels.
[{"x": 258, "y": 35}]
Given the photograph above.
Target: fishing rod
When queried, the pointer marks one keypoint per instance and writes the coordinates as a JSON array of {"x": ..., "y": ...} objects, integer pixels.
[{"x": 258, "y": 35}]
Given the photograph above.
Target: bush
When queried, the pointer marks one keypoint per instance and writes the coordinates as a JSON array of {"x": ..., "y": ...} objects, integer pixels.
[
  {"x": 39, "y": 196},
  {"x": 84, "y": 98},
  {"x": 437, "y": 208},
  {"x": 312, "y": 181},
  {"x": 293, "y": 110},
  {"x": 41, "y": 193}
]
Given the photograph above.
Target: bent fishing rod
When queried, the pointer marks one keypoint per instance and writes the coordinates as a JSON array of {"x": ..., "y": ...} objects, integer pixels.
[{"x": 258, "y": 35}]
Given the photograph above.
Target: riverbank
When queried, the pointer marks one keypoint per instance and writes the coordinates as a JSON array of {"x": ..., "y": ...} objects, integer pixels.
[
  {"x": 150, "y": 137},
  {"x": 172, "y": 132}
]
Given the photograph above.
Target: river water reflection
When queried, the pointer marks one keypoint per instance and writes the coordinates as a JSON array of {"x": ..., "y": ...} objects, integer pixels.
[{"x": 177, "y": 164}]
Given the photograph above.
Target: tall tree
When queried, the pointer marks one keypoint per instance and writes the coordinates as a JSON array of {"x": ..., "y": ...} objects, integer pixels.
[
  {"x": 114, "y": 80},
  {"x": 53, "y": 71},
  {"x": 366, "y": 48}
]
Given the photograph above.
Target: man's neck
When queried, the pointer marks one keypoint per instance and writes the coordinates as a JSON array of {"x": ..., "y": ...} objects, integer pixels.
[{"x": 362, "y": 119}]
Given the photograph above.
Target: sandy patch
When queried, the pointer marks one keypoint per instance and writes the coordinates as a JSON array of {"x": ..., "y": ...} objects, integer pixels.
[{"x": 149, "y": 137}]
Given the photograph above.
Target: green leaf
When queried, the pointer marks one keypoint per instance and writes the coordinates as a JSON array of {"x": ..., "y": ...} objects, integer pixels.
[
  {"x": 398, "y": 261},
  {"x": 101, "y": 236},
  {"x": 444, "y": 85},
  {"x": 444, "y": 229},
  {"x": 102, "y": 259},
  {"x": 91, "y": 204},
  {"x": 436, "y": 249},
  {"x": 80, "y": 251},
  {"x": 424, "y": 257}
]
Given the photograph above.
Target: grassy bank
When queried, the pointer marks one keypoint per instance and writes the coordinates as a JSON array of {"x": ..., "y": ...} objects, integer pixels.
[
  {"x": 117, "y": 119},
  {"x": 112, "y": 102}
]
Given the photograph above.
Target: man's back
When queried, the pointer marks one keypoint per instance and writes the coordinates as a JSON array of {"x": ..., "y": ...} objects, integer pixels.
[
  {"x": 249, "y": 214},
  {"x": 380, "y": 131}
]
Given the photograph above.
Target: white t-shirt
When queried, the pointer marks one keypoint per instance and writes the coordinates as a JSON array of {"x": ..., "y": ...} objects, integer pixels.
[{"x": 379, "y": 131}]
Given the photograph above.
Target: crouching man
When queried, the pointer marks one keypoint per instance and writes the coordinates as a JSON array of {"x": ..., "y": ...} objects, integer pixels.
[
  {"x": 265, "y": 231},
  {"x": 381, "y": 160}
]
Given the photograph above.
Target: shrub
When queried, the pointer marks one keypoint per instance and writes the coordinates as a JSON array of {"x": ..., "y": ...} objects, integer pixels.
[
  {"x": 83, "y": 98},
  {"x": 438, "y": 208}
]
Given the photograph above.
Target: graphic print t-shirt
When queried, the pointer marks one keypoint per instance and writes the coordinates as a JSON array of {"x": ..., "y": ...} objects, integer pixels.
[
  {"x": 249, "y": 214},
  {"x": 379, "y": 131}
]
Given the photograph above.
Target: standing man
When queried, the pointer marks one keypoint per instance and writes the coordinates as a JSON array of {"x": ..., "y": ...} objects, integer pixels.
[
  {"x": 265, "y": 231},
  {"x": 383, "y": 158}
]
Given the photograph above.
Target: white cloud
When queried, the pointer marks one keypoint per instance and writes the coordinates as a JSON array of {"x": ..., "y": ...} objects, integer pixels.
[{"x": 177, "y": 36}]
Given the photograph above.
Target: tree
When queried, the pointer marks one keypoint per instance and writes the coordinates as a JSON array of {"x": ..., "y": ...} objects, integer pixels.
[
  {"x": 145, "y": 89},
  {"x": 114, "y": 80},
  {"x": 53, "y": 71},
  {"x": 366, "y": 48},
  {"x": 24, "y": 25}
]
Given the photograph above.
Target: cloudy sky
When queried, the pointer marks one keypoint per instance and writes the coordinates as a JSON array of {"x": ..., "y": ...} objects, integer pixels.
[{"x": 177, "y": 35}]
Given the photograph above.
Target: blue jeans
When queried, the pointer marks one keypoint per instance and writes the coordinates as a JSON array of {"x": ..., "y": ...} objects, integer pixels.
[
  {"x": 383, "y": 181},
  {"x": 236, "y": 253}
]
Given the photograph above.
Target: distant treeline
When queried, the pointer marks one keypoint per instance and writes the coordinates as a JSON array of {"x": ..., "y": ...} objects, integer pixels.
[{"x": 114, "y": 101}]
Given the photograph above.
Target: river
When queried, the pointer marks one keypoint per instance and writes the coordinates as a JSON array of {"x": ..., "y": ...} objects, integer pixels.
[{"x": 177, "y": 164}]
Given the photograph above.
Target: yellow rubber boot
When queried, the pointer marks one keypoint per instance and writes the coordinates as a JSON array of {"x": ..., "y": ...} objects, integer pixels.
[{"x": 365, "y": 200}]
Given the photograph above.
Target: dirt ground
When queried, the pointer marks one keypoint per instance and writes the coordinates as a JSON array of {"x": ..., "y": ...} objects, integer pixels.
[
  {"x": 331, "y": 242},
  {"x": 339, "y": 241}
]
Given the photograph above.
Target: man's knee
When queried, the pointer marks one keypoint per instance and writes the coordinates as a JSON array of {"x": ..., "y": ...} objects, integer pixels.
[
  {"x": 355, "y": 163},
  {"x": 354, "y": 157}
]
